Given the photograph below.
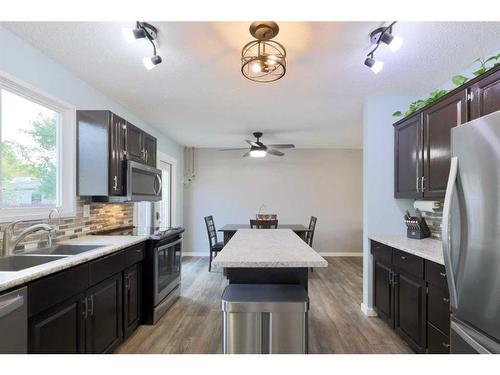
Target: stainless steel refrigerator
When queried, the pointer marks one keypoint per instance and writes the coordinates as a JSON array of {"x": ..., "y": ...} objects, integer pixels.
[{"x": 471, "y": 236}]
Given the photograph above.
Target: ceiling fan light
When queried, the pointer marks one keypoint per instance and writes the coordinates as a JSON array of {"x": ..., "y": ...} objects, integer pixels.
[
  {"x": 258, "y": 153},
  {"x": 151, "y": 62}
]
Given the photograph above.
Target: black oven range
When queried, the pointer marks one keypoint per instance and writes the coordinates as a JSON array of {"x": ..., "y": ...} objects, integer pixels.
[{"x": 161, "y": 268}]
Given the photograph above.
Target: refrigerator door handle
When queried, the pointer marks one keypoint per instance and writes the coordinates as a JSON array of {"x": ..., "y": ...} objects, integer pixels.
[{"x": 446, "y": 235}]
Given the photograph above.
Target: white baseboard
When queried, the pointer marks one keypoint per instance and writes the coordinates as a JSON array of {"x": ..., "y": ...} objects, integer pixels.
[
  {"x": 332, "y": 254},
  {"x": 368, "y": 311},
  {"x": 195, "y": 254}
]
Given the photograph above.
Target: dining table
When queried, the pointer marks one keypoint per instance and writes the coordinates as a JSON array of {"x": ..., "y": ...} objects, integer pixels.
[{"x": 229, "y": 230}]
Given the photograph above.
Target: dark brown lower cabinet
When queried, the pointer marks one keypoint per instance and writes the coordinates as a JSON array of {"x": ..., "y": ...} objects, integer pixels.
[
  {"x": 132, "y": 303},
  {"x": 409, "y": 310},
  {"x": 382, "y": 293},
  {"x": 104, "y": 316},
  {"x": 60, "y": 330},
  {"x": 410, "y": 294},
  {"x": 437, "y": 341},
  {"x": 88, "y": 308}
]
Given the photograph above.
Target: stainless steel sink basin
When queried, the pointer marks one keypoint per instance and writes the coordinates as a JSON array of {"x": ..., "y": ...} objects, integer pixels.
[
  {"x": 66, "y": 249},
  {"x": 21, "y": 262}
]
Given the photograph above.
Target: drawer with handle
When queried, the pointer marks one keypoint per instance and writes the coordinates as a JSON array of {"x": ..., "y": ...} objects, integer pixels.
[
  {"x": 381, "y": 252},
  {"x": 134, "y": 254},
  {"x": 438, "y": 308},
  {"x": 408, "y": 263},
  {"x": 435, "y": 274},
  {"x": 437, "y": 341}
]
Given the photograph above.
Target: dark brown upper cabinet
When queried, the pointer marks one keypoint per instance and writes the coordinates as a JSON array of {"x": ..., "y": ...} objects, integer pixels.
[
  {"x": 408, "y": 158},
  {"x": 135, "y": 149},
  {"x": 100, "y": 150},
  {"x": 117, "y": 152},
  {"x": 150, "y": 149},
  {"x": 104, "y": 141},
  {"x": 485, "y": 96},
  {"x": 141, "y": 146},
  {"x": 422, "y": 141},
  {"x": 438, "y": 121}
]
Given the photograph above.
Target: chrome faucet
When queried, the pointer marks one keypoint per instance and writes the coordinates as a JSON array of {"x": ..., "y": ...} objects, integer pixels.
[{"x": 10, "y": 241}]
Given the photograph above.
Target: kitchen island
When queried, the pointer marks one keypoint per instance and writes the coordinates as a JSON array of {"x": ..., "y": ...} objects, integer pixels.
[{"x": 268, "y": 256}]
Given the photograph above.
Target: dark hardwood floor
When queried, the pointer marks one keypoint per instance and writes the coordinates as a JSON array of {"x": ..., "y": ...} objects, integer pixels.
[{"x": 336, "y": 323}]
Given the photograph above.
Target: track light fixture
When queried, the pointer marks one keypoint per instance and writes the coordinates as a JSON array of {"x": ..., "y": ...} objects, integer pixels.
[
  {"x": 143, "y": 30},
  {"x": 378, "y": 36},
  {"x": 374, "y": 65}
]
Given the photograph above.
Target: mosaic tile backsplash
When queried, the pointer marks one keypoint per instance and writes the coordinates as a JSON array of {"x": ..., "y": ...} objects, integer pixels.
[{"x": 102, "y": 216}]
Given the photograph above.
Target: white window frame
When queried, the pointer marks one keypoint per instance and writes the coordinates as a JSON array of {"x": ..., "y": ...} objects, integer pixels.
[{"x": 66, "y": 152}]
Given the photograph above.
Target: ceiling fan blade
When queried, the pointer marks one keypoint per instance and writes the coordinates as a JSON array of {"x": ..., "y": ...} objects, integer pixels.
[
  {"x": 283, "y": 145},
  {"x": 246, "y": 154},
  {"x": 272, "y": 151},
  {"x": 234, "y": 149},
  {"x": 252, "y": 143}
]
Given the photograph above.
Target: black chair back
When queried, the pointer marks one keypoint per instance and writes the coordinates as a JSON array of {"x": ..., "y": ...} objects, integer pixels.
[
  {"x": 212, "y": 232},
  {"x": 312, "y": 227},
  {"x": 263, "y": 224}
]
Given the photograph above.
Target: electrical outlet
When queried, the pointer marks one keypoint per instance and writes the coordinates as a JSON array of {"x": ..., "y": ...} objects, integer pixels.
[{"x": 86, "y": 210}]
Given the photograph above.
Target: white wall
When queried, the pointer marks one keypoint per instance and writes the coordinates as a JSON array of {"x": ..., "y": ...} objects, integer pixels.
[
  {"x": 23, "y": 62},
  {"x": 382, "y": 214},
  {"x": 323, "y": 182}
]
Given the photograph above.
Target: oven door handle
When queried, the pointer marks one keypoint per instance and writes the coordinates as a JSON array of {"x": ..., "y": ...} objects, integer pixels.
[{"x": 168, "y": 245}]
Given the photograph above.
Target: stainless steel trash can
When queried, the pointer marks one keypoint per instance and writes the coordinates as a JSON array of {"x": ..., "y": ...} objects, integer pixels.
[{"x": 265, "y": 318}]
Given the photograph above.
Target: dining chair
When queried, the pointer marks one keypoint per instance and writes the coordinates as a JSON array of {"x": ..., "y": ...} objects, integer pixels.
[
  {"x": 263, "y": 224},
  {"x": 310, "y": 234},
  {"x": 215, "y": 246}
]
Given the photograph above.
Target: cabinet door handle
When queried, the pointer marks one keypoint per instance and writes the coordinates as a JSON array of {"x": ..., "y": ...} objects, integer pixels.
[
  {"x": 127, "y": 282},
  {"x": 416, "y": 184},
  {"x": 403, "y": 257},
  {"x": 91, "y": 306},
  {"x": 146, "y": 156},
  {"x": 442, "y": 274},
  {"x": 390, "y": 277},
  {"x": 446, "y": 345},
  {"x": 115, "y": 182},
  {"x": 85, "y": 308},
  {"x": 446, "y": 300},
  {"x": 422, "y": 184}
]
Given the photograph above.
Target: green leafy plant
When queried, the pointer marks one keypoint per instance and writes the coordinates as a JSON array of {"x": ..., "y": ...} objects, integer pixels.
[{"x": 457, "y": 80}]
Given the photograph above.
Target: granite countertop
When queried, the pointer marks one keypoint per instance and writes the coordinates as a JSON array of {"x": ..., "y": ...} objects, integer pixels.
[
  {"x": 262, "y": 248},
  {"x": 110, "y": 245},
  {"x": 428, "y": 248}
]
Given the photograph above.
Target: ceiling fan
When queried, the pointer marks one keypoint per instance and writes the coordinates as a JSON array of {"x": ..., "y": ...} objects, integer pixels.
[{"x": 259, "y": 149}]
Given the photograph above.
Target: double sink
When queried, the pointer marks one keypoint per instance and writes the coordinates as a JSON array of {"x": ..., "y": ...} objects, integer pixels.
[{"x": 37, "y": 257}]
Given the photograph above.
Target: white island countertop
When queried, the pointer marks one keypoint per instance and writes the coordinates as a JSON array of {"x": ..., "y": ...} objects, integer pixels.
[
  {"x": 108, "y": 245},
  {"x": 427, "y": 248},
  {"x": 267, "y": 248}
]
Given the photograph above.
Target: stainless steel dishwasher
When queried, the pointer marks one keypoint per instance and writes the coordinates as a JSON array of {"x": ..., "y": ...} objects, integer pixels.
[{"x": 14, "y": 322}]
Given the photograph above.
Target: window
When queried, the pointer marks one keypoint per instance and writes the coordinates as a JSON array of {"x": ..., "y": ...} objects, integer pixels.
[{"x": 37, "y": 155}]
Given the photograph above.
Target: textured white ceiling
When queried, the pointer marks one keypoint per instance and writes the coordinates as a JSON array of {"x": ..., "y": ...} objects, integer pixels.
[{"x": 199, "y": 97}]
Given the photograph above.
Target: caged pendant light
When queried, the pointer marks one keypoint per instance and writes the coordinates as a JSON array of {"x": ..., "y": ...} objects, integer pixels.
[{"x": 263, "y": 59}]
